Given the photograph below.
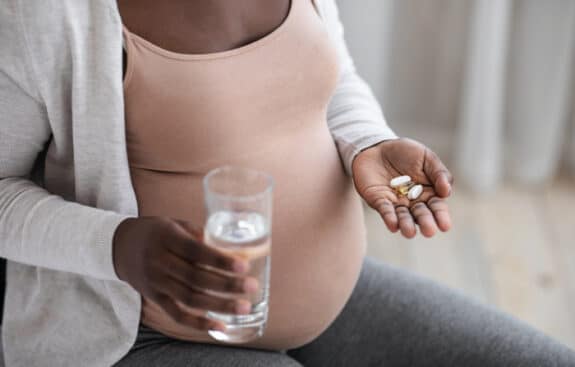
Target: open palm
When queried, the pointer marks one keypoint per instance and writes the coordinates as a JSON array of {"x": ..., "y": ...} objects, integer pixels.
[{"x": 374, "y": 168}]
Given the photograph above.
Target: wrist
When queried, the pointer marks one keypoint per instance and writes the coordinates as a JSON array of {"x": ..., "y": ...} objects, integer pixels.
[
  {"x": 121, "y": 237},
  {"x": 373, "y": 148}
]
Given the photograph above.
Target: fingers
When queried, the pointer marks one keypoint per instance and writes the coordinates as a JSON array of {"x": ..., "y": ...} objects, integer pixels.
[
  {"x": 195, "y": 231},
  {"x": 438, "y": 174},
  {"x": 406, "y": 223},
  {"x": 192, "y": 298},
  {"x": 185, "y": 318},
  {"x": 440, "y": 212},
  {"x": 195, "y": 276},
  {"x": 424, "y": 218},
  {"x": 429, "y": 216},
  {"x": 387, "y": 212},
  {"x": 193, "y": 250}
]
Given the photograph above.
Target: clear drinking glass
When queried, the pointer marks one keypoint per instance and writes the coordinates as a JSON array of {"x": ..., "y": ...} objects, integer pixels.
[{"x": 238, "y": 205}]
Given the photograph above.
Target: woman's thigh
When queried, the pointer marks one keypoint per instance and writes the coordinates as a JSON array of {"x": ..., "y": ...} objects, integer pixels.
[
  {"x": 395, "y": 318},
  {"x": 153, "y": 349}
]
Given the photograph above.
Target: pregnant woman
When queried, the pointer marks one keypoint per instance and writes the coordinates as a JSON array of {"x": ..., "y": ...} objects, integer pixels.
[{"x": 111, "y": 112}]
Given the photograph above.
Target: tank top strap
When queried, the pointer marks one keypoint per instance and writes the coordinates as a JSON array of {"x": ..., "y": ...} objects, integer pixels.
[
  {"x": 315, "y": 5},
  {"x": 126, "y": 37}
]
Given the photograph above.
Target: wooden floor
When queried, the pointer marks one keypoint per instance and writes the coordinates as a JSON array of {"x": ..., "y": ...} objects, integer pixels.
[{"x": 514, "y": 249}]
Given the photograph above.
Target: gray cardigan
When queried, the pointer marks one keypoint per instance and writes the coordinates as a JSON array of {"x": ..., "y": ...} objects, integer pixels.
[{"x": 61, "y": 93}]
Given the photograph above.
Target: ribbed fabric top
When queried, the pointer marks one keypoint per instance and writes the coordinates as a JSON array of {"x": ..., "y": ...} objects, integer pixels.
[{"x": 262, "y": 106}]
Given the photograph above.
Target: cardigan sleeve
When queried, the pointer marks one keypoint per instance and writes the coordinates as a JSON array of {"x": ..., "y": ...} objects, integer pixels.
[
  {"x": 36, "y": 227},
  {"x": 354, "y": 117}
]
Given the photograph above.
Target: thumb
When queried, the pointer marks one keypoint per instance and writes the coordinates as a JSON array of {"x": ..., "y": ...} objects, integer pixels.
[
  {"x": 195, "y": 231},
  {"x": 437, "y": 174}
]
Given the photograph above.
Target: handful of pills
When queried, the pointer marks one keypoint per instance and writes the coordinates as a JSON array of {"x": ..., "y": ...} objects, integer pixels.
[{"x": 403, "y": 186}]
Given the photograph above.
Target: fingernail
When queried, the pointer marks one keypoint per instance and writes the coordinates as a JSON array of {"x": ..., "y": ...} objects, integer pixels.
[
  {"x": 243, "y": 307},
  {"x": 241, "y": 266},
  {"x": 251, "y": 285},
  {"x": 219, "y": 327}
]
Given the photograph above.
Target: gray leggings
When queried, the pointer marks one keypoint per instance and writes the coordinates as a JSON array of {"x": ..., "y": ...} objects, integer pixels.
[{"x": 393, "y": 318}]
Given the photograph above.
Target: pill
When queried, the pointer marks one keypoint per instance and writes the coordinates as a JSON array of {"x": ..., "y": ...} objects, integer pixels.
[
  {"x": 399, "y": 181},
  {"x": 403, "y": 190},
  {"x": 414, "y": 192}
]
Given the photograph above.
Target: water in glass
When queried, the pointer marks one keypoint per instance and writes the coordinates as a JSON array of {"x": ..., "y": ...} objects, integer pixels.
[{"x": 247, "y": 235}]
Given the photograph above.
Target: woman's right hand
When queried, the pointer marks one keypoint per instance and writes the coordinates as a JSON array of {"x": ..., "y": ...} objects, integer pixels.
[{"x": 164, "y": 260}]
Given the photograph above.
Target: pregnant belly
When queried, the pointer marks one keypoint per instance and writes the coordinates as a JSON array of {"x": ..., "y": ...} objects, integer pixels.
[{"x": 318, "y": 237}]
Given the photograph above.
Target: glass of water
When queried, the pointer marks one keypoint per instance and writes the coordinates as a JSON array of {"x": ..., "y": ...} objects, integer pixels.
[{"x": 238, "y": 205}]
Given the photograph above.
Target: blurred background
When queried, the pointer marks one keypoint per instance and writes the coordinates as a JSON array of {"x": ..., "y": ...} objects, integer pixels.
[{"x": 489, "y": 85}]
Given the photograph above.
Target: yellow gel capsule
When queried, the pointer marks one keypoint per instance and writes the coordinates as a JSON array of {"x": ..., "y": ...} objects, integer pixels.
[{"x": 403, "y": 190}]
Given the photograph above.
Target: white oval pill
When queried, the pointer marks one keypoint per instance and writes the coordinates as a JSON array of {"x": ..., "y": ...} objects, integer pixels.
[
  {"x": 414, "y": 192},
  {"x": 399, "y": 181}
]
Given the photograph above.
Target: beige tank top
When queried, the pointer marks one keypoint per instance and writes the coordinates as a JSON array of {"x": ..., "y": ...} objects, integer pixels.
[{"x": 262, "y": 106}]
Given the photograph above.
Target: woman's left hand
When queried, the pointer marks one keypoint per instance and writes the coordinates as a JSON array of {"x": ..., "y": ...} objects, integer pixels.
[{"x": 374, "y": 168}]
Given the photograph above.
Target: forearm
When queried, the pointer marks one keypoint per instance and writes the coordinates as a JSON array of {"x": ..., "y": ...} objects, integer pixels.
[
  {"x": 41, "y": 229},
  {"x": 355, "y": 118},
  {"x": 354, "y": 115}
]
